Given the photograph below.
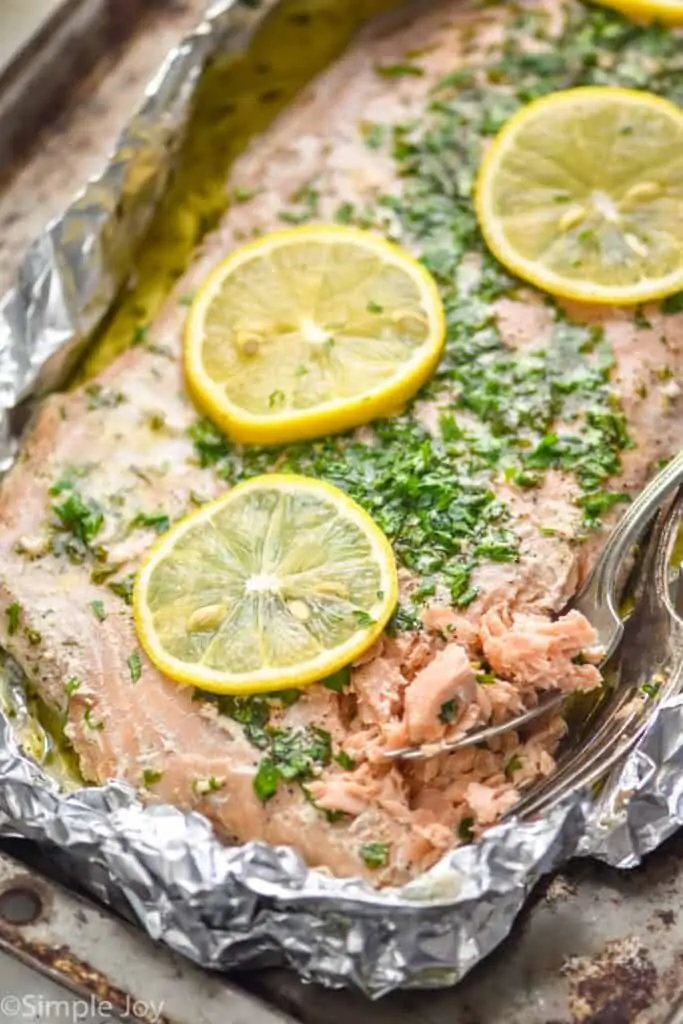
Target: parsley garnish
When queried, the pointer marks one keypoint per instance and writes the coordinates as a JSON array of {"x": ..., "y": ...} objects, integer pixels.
[
  {"x": 399, "y": 70},
  {"x": 101, "y": 398},
  {"x": 13, "y": 616},
  {"x": 338, "y": 681},
  {"x": 80, "y": 518},
  {"x": 513, "y": 765},
  {"x": 150, "y": 777},
  {"x": 449, "y": 711},
  {"x": 123, "y": 588},
  {"x": 158, "y": 521},
  {"x": 87, "y": 718},
  {"x": 203, "y": 787},
  {"x": 466, "y": 829},
  {"x": 375, "y": 855},
  {"x": 345, "y": 761},
  {"x": 363, "y": 619},
  {"x": 99, "y": 610},
  {"x": 72, "y": 685},
  {"x": 134, "y": 666},
  {"x": 307, "y": 199},
  {"x": 294, "y": 755},
  {"x": 266, "y": 780}
]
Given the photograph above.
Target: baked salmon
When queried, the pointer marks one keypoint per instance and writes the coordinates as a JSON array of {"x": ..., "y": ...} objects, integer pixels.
[{"x": 496, "y": 486}]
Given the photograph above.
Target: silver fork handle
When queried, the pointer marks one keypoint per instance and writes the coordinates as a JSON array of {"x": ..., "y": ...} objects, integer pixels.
[{"x": 598, "y": 599}]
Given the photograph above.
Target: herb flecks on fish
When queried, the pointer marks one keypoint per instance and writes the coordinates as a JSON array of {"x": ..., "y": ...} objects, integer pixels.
[
  {"x": 293, "y": 755},
  {"x": 78, "y": 521},
  {"x": 375, "y": 855},
  {"x": 504, "y": 415}
]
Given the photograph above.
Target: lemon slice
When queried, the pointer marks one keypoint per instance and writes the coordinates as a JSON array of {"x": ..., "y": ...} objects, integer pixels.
[
  {"x": 668, "y": 11},
  {"x": 279, "y": 583},
  {"x": 309, "y": 332},
  {"x": 581, "y": 194}
]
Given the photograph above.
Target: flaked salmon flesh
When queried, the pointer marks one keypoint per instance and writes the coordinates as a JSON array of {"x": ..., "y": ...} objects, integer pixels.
[{"x": 125, "y": 441}]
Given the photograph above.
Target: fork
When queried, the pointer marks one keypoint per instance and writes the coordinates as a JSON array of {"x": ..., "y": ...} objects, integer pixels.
[
  {"x": 597, "y": 601},
  {"x": 648, "y": 668}
]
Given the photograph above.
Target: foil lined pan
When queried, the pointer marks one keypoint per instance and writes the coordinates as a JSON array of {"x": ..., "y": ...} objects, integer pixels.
[{"x": 225, "y": 907}]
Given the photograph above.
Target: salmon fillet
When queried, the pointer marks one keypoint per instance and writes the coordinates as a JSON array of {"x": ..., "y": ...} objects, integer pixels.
[{"x": 497, "y": 525}]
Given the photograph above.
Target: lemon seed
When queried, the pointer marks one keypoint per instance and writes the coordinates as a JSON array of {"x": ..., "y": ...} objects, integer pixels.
[
  {"x": 248, "y": 343},
  {"x": 573, "y": 216},
  {"x": 643, "y": 191},
  {"x": 300, "y": 610},
  {"x": 204, "y": 619}
]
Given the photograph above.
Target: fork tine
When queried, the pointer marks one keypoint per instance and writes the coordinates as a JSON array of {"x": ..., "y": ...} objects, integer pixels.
[{"x": 549, "y": 703}]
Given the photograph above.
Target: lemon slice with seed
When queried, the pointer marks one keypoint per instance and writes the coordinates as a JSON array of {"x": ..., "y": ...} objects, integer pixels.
[
  {"x": 309, "y": 332},
  {"x": 279, "y": 583},
  {"x": 582, "y": 195},
  {"x": 668, "y": 11}
]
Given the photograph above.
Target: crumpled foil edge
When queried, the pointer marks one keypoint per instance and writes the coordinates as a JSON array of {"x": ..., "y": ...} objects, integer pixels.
[{"x": 227, "y": 907}]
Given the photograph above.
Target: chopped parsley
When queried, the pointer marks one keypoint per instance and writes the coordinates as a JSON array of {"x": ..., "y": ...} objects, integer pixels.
[
  {"x": 211, "y": 446},
  {"x": 338, "y": 681},
  {"x": 134, "y": 666},
  {"x": 72, "y": 685},
  {"x": 78, "y": 521},
  {"x": 150, "y": 777},
  {"x": 466, "y": 829},
  {"x": 513, "y": 765},
  {"x": 399, "y": 70},
  {"x": 449, "y": 711},
  {"x": 344, "y": 761},
  {"x": 123, "y": 588},
  {"x": 674, "y": 303},
  {"x": 87, "y": 718},
  {"x": 99, "y": 610},
  {"x": 243, "y": 195},
  {"x": 203, "y": 787},
  {"x": 100, "y": 397},
  {"x": 375, "y": 855},
  {"x": 363, "y": 619},
  {"x": 294, "y": 755},
  {"x": 266, "y": 780},
  {"x": 374, "y": 135},
  {"x": 13, "y": 616},
  {"x": 158, "y": 521},
  {"x": 345, "y": 213},
  {"x": 307, "y": 199}
]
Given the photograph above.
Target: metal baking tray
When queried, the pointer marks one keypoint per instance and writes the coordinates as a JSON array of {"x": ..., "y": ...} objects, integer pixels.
[
  {"x": 54, "y": 45},
  {"x": 595, "y": 946}
]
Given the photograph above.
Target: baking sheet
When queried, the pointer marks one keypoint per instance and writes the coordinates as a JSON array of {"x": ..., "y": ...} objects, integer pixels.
[{"x": 226, "y": 907}]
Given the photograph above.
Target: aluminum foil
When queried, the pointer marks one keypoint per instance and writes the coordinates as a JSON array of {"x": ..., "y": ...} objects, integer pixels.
[{"x": 225, "y": 907}]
